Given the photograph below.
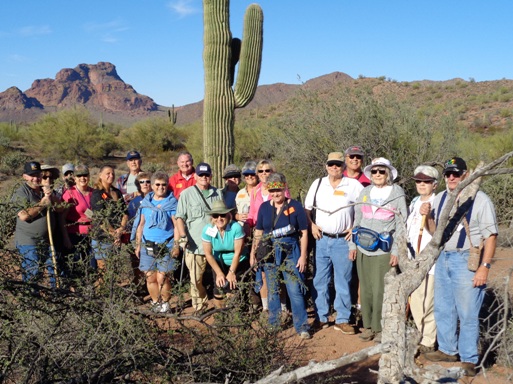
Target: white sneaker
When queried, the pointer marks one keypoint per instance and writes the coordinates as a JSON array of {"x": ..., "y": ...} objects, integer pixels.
[
  {"x": 164, "y": 307},
  {"x": 305, "y": 335},
  {"x": 155, "y": 306}
]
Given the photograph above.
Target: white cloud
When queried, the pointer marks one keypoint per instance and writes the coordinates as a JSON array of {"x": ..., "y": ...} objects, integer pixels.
[
  {"x": 183, "y": 7},
  {"x": 34, "y": 30},
  {"x": 108, "y": 31}
]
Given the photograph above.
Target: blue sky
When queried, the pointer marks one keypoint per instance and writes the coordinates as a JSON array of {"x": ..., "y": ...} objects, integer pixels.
[{"x": 157, "y": 45}]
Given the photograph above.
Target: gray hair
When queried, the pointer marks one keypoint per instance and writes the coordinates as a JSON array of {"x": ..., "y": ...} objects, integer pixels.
[
  {"x": 277, "y": 177},
  {"x": 159, "y": 175}
]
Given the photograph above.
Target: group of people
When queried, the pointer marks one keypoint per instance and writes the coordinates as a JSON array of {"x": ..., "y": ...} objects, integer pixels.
[{"x": 354, "y": 215}]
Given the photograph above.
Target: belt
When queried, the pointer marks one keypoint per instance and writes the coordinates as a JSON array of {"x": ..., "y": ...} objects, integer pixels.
[{"x": 335, "y": 235}]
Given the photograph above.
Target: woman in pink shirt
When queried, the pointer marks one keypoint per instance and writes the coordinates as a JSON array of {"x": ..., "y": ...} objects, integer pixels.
[{"x": 77, "y": 217}]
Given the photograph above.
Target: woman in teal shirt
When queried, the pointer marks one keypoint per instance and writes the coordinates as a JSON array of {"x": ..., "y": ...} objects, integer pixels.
[{"x": 223, "y": 242}]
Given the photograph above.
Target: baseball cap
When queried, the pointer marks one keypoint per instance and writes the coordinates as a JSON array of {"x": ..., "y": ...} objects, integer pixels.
[
  {"x": 31, "y": 168},
  {"x": 456, "y": 164},
  {"x": 68, "y": 167},
  {"x": 203, "y": 168},
  {"x": 354, "y": 150},
  {"x": 249, "y": 168},
  {"x": 335, "y": 157},
  {"x": 425, "y": 173},
  {"x": 231, "y": 171},
  {"x": 133, "y": 155}
]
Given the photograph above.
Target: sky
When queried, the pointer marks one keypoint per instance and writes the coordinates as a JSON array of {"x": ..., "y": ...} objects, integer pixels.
[{"x": 156, "y": 45}]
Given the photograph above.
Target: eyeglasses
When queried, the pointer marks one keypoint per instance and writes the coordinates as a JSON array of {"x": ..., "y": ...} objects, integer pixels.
[
  {"x": 160, "y": 185},
  {"x": 217, "y": 215},
  {"x": 264, "y": 170},
  {"x": 47, "y": 177},
  {"x": 424, "y": 181},
  {"x": 455, "y": 174},
  {"x": 204, "y": 175},
  {"x": 380, "y": 171},
  {"x": 338, "y": 165},
  {"x": 352, "y": 157},
  {"x": 86, "y": 175},
  {"x": 144, "y": 182}
]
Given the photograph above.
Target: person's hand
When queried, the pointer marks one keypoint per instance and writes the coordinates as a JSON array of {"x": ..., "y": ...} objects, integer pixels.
[
  {"x": 425, "y": 209},
  {"x": 481, "y": 276},
  {"x": 175, "y": 251},
  {"x": 349, "y": 234},
  {"x": 243, "y": 216},
  {"x": 252, "y": 260},
  {"x": 232, "y": 279},
  {"x": 352, "y": 255},
  {"x": 316, "y": 231},
  {"x": 46, "y": 201},
  {"x": 137, "y": 251},
  {"x": 220, "y": 280},
  {"x": 302, "y": 264},
  {"x": 182, "y": 243},
  {"x": 394, "y": 260}
]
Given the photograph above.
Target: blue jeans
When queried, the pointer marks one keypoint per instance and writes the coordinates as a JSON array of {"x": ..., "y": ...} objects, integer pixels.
[
  {"x": 332, "y": 254},
  {"x": 457, "y": 299},
  {"x": 33, "y": 255},
  {"x": 287, "y": 255},
  {"x": 101, "y": 250}
]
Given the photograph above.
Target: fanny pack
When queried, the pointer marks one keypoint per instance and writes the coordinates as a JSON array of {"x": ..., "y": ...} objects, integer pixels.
[
  {"x": 371, "y": 240},
  {"x": 156, "y": 250}
]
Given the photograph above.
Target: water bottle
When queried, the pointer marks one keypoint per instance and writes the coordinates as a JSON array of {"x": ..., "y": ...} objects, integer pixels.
[{"x": 283, "y": 231}]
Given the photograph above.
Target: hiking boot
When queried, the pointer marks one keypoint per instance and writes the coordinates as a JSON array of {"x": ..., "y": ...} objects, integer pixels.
[
  {"x": 367, "y": 334},
  {"x": 318, "y": 325},
  {"x": 345, "y": 328},
  {"x": 425, "y": 349},
  {"x": 469, "y": 368},
  {"x": 440, "y": 356},
  {"x": 377, "y": 337},
  {"x": 305, "y": 335}
]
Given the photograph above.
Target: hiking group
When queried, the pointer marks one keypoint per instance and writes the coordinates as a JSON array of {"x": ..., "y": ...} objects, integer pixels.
[{"x": 259, "y": 237}]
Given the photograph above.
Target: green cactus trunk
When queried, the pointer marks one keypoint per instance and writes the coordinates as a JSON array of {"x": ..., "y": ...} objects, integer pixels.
[{"x": 220, "y": 99}]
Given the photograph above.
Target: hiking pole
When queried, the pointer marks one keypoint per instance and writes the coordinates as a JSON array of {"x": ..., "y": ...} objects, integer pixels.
[{"x": 52, "y": 248}]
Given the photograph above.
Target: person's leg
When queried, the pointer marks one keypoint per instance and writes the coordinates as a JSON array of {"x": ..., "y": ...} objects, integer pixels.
[
  {"x": 343, "y": 272},
  {"x": 321, "y": 279},
  {"x": 295, "y": 291},
  {"x": 29, "y": 262},
  {"x": 164, "y": 285},
  {"x": 273, "y": 293},
  {"x": 153, "y": 286},
  {"x": 364, "y": 275},
  {"x": 264, "y": 293},
  {"x": 380, "y": 266},
  {"x": 445, "y": 306},
  {"x": 196, "y": 265},
  {"x": 422, "y": 310},
  {"x": 468, "y": 301}
]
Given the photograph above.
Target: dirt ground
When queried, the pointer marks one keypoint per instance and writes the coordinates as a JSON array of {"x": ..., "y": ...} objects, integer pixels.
[{"x": 328, "y": 344}]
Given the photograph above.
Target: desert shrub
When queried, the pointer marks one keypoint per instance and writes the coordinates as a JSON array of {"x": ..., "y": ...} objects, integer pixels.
[
  {"x": 12, "y": 161},
  {"x": 71, "y": 134}
]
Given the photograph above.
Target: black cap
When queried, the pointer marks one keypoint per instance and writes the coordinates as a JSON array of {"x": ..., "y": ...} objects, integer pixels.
[
  {"x": 32, "y": 168},
  {"x": 456, "y": 164},
  {"x": 203, "y": 169}
]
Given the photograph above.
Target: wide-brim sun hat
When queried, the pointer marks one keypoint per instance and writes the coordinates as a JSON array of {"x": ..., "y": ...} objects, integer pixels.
[
  {"x": 380, "y": 162},
  {"x": 219, "y": 207}
]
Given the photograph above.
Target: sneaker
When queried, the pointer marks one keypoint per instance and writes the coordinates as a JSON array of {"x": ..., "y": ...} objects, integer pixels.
[
  {"x": 305, "y": 335},
  {"x": 367, "y": 334},
  {"x": 469, "y": 369},
  {"x": 155, "y": 306},
  {"x": 377, "y": 337},
  {"x": 440, "y": 356},
  {"x": 345, "y": 328},
  {"x": 164, "y": 307}
]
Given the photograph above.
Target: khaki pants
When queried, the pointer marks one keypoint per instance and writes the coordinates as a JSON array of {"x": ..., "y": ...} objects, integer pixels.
[
  {"x": 196, "y": 265},
  {"x": 422, "y": 306}
]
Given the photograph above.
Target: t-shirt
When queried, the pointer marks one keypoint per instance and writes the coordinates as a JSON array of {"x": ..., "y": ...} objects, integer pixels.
[
  {"x": 131, "y": 186},
  {"x": 223, "y": 247},
  {"x": 78, "y": 205},
  {"x": 105, "y": 208},
  {"x": 294, "y": 215},
  {"x": 32, "y": 231}
]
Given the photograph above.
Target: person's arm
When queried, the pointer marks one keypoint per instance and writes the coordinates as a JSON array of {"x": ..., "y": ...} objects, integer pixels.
[
  {"x": 481, "y": 275},
  {"x": 316, "y": 230},
  {"x": 138, "y": 236},
  {"x": 220, "y": 277},
  {"x": 257, "y": 235},
  {"x": 28, "y": 214},
  {"x": 238, "y": 245},
  {"x": 302, "y": 263}
]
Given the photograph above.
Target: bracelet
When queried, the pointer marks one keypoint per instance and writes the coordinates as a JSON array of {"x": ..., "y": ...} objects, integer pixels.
[{"x": 230, "y": 270}]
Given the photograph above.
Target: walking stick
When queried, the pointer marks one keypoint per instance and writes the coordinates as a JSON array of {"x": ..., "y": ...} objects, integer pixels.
[
  {"x": 52, "y": 248},
  {"x": 421, "y": 231}
]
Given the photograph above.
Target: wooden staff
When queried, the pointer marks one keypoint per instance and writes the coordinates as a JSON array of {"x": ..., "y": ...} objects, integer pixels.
[
  {"x": 421, "y": 231},
  {"x": 52, "y": 247}
]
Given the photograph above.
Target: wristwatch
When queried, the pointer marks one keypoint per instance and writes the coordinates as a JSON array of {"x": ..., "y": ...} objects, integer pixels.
[{"x": 487, "y": 265}]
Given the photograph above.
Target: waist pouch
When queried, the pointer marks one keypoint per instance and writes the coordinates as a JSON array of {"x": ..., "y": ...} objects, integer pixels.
[
  {"x": 155, "y": 249},
  {"x": 371, "y": 240}
]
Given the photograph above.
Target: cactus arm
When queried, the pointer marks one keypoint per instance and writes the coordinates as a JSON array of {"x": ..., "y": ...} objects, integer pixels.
[{"x": 250, "y": 56}]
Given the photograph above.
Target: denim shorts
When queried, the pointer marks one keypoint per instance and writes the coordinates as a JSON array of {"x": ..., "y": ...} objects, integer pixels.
[
  {"x": 101, "y": 251},
  {"x": 149, "y": 263}
]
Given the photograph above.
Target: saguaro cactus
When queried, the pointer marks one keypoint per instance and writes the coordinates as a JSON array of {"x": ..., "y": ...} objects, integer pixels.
[{"x": 219, "y": 59}]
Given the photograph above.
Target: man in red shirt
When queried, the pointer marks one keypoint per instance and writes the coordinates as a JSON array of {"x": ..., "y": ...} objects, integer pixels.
[{"x": 184, "y": 178}]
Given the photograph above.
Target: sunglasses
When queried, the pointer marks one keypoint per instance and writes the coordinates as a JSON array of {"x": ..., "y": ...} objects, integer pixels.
[
  {"x": 380, "y": 171},
  {"x": 338, "y": 165},
  {"x": 352, "y": 157},
  {"x": 454, "y": 174},
  {"x": 264, "y": 170},
  {"x": 83, "y": 175},
  {"x": 160, "y": 185},
  {"x": 203, "y": 175},
  {"x": 47, "y": 177},
  {"x": 217, "y": 215},
  {"x": 424, "y": 181},
  {"x": 144, "y": 182}
]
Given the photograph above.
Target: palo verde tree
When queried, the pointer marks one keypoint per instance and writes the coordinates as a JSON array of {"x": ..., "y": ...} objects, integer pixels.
[{"x": 220, "y": 55}]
